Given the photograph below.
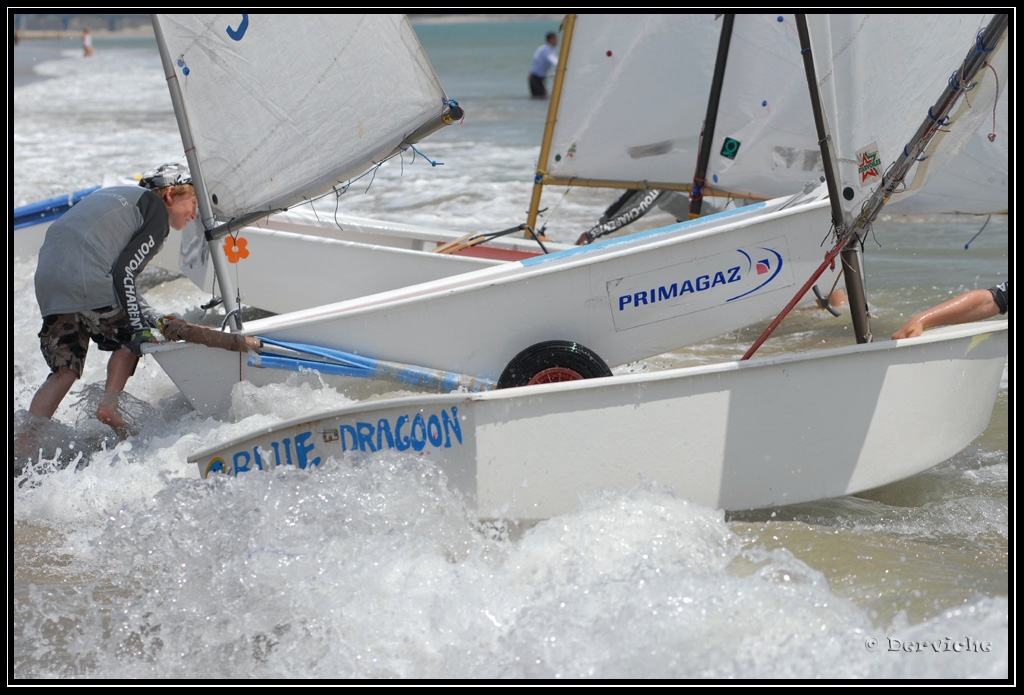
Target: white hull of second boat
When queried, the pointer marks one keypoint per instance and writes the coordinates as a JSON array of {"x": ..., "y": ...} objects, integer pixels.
[
  {"x": 290, "y": 265},
  {"x": 739, "y": 435},
  {"x": 624, "y": 299}
]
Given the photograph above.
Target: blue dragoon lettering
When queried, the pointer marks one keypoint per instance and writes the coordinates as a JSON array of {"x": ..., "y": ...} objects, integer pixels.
[
  {"x": 295, "y": 453},
  {"x": 440, "y": 430}
]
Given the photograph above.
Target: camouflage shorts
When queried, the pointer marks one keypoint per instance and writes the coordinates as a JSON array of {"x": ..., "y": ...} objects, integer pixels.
[{"x": 64, "y": 338}]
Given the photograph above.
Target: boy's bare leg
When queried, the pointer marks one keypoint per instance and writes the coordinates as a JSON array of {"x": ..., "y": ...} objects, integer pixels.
[{"x": 119, "y": 367}]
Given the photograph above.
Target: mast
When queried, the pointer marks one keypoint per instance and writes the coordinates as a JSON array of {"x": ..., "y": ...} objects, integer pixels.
[
  {"x": 697, "y": 191},
  {"x": 850, "y": 256},
  {"x": 549, "y": 126},
  {"x": 220, "y": 264}
]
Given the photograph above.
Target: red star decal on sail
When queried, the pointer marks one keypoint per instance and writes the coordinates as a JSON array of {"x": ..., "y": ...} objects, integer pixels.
[{"x": 868, "y": 166}]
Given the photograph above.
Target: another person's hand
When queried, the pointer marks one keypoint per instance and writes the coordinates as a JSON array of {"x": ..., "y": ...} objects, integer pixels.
[
  {"x": 911, "y": 329},
  {"x": 975, "y": 305}
]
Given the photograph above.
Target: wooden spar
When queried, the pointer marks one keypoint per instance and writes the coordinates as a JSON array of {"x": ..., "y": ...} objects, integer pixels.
[
  {"x": 474, "y": 238},
  {"x": 850, "y": 255},
  {"x": 220, "y": 263},
  {"x": 549, "y": 125},
  {"x": 178, "y": 329},
  {"x": 648, "y": 185},
  {"x": 708, "y": 131}
]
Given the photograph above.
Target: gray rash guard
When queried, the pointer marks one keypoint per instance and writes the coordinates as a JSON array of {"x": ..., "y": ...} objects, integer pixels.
[{"x": 94, "y": 252}]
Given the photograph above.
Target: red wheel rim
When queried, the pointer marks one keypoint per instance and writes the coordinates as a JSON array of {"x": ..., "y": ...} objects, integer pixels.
[{"x": 553, "y": 375}]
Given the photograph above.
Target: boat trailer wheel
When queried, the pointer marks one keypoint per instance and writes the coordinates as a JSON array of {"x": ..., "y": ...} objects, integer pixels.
[{"x": 550, "y": 362}]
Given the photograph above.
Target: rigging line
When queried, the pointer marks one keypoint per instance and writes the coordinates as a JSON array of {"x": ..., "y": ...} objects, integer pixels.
[
  {"x": 309, "y": 202},
  {"x": 337, "y": 201},
  {"x": 995, "y": 104},
  {"x": 337, "y": 207},
  {"x": 987, "y": 219},
  {"x": 238, "y": 297},
  {"x": 558, "y": 203},
  {"x": 432, "y": 162},
  {"x": 835, "y": 283},
  {"x": 372, "y": 178}
]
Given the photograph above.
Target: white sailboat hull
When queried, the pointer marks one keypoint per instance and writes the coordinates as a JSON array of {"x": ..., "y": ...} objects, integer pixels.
[
  {"x": 738, "y": 435},
  {"x": 354, "y": 259},
  {"x": 624, "y": 299}
]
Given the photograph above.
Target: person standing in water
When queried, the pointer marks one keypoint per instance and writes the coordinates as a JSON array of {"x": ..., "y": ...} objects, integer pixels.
[
  {"x": 86, "y": 286},
  {"x": 544, "y": 58},
  {"x": 86, "y": 43}
]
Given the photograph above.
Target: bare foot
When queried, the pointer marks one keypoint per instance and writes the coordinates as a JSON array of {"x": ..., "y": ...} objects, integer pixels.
[{"x": 108, "y": 414}]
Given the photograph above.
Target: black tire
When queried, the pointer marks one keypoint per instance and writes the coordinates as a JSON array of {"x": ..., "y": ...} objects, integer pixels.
[{"x": 551, "y": 361}]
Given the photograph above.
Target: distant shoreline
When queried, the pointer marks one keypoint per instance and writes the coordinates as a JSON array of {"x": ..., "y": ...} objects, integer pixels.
[{"x": 57, "y": 34}]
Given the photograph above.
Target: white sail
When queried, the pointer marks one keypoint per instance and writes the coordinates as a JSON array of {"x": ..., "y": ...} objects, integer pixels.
[
  {"x": 764, "y": 142},
  {"x": 635, "y": 93},
  {"x": 976, "y": 181},
  {"x": 869, "y": 124},
  {"x": 633, "y": 97},
  {"x": 281, "y": 107}
]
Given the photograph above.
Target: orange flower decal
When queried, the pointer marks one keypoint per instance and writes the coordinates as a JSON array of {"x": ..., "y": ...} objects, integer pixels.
[{"x": 235, "y": 249}]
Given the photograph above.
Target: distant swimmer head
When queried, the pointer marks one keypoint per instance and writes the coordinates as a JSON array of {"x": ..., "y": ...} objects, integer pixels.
[{"x": 166, "y": 175}]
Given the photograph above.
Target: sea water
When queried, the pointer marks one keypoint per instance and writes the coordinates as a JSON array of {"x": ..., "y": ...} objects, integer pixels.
[{"x": 127, "y": 565}]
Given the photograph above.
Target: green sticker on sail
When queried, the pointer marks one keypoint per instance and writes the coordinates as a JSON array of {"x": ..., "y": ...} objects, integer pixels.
[{"x": 729, "y": 148}]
